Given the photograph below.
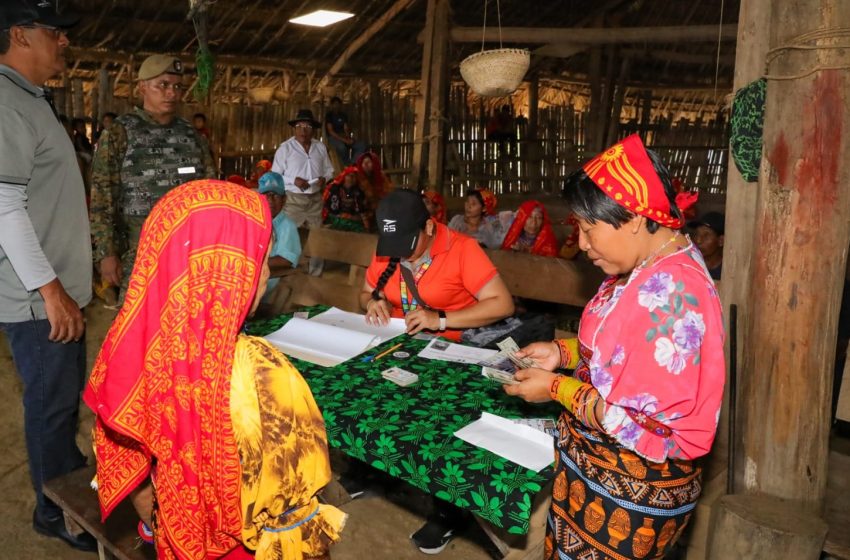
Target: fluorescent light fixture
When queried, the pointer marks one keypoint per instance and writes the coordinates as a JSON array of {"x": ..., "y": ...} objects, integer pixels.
[{"x": 321, "y": 18}]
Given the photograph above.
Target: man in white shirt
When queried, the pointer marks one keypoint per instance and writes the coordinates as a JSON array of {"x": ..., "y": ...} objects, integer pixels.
[{"x": 306, "y": 168}]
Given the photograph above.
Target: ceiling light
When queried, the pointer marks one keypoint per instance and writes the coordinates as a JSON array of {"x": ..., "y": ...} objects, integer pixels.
[{"x": 321, "y": 18}]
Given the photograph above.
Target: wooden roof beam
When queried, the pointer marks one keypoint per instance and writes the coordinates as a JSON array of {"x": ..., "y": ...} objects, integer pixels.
[
  {"x": 122, "y": 57},
  {"x": 371, "y": 31},
  {"x": 597, "y": 36}
]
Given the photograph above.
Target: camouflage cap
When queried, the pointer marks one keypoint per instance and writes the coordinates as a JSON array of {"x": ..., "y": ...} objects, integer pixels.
[{"x": 158, "y": 64}]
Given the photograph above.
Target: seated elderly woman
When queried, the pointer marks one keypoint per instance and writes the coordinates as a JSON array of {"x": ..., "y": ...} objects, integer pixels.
[
  {"x": 372, "y": 178},
  {"x": 439, "y": 282},
  {"x": 480, "y": 219},
  {"x": 645, "y": 396},
  {"x": 345, "y": 204},
  {"x": 213, "y": 434},
  {"x": 531, "y": 231}
]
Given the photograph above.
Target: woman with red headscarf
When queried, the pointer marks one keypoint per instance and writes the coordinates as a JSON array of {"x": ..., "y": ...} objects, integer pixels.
[
  {"x": 261, "y": 168},
  {"x": 345, "y": 205},
  {"x": 373, "y": 180},
  {"x": 436, "y": 205},
  {"x": 221, "y": 425},
  {"x": 644, "y": 398},
  {"x": 531, "y": 231}
]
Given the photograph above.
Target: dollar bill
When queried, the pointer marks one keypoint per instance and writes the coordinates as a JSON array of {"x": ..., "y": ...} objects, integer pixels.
[
  {"x": 503, "y": 377},
  {"x": 509, "y": 347}
]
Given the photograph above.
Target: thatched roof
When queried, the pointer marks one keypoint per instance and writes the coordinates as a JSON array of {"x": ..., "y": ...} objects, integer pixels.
[{"x": 257, "y": 33}]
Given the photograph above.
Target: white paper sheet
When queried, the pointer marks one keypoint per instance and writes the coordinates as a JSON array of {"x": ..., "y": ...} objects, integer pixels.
[
  {"x": 520, "y": 444},
  {"x": 356, "y": 322},
  {"x": 450, "y": 352},
  {"x": 318, "y": 343}
]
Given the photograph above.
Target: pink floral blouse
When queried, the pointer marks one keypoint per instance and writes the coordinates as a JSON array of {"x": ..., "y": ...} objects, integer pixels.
[{"x": 653, "y": 348}]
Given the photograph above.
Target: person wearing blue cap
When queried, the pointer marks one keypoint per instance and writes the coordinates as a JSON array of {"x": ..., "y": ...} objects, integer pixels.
[{"x": 287, "y": 246}]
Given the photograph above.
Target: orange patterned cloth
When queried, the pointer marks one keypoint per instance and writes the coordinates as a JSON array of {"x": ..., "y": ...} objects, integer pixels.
[
  {"x": 490, "y": 201},
  {"x": 160, "y": 386},
  {"x": 625, "y": 174},
  {"x": 545, "y": 243}
]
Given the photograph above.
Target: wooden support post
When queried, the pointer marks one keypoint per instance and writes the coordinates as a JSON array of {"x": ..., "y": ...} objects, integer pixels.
[
  {"x": 741, "y": 200},
  {"x": 78, "y": 109},
  {"x": 376, "y": 116},
  {"x": 617, "y": 105},
  {"x": 592, "y": 142},
  {"x": 799, "y": 255},
  {"x": 535, "y": 152},
  {"x": 104, "y": 93},
  {"x": 773, "y": 529},
  {"x": 423, "y": 103},
  {"x": 439, "y": 93}
]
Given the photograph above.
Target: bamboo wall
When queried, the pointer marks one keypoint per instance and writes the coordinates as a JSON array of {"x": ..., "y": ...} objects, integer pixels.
[{"x": 689, "y": 132}]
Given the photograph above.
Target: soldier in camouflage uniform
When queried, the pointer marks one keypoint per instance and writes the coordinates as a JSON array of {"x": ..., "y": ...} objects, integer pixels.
[{"x": 142, "y": 156}]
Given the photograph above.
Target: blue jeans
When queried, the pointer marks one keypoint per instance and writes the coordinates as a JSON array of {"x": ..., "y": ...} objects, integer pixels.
[
  {"x": 53, "y": 375},
  {"x": 342, "y": 150}
]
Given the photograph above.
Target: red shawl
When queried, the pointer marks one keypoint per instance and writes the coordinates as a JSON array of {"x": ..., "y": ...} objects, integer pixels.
[
  {"x": 161, "y": 384},
  {"x": 376, "y": 178},
  {"x": 545, "y": 244},
  {"x": 438, "y": 201}
]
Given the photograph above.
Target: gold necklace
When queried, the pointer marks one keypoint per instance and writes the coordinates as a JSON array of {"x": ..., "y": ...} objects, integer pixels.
[{"x": 655, "y": 253}]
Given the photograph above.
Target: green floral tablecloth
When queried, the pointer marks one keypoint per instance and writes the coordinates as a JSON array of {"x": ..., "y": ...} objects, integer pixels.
[{"x": 408, "y": 432}]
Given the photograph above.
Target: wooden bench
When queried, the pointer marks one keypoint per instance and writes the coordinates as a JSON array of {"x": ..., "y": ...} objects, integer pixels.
[
  {"x": 118, "y": 537},
  {"x": 527, "y": 276}
]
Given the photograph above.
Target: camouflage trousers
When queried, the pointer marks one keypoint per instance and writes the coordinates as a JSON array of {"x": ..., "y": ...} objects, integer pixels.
[{"x": 128, "y": 257}]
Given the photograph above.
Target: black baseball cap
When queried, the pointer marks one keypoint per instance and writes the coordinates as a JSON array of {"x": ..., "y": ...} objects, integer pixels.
[
  {"x": 28, "y": 12},
  {"x": 712, "y": 220},
  {"x": 400, "y": 216}
]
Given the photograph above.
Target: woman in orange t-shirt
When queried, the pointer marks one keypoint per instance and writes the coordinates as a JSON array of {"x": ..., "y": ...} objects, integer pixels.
[{"x": 458, "y": 284}]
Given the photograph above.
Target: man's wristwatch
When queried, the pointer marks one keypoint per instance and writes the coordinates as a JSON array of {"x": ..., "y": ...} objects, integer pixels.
[{"x": 442, "y": 315}]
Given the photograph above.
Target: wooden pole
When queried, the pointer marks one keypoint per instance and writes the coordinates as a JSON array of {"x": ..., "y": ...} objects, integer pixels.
[
  {"x": 535, "y": 153},
  {"x": 617, "y": 107},
  {"x": 354, "y": 46},
  {"x": 104, "y": 88},
  {"x": 423, "y": 103},
  {"x": 592, "y": 142},
  {"x": 597, "y": 36},
  {"x": 439, "y": 93},
  {"x": 741, "y": 200},
  {"x": 799, "y": 254}
]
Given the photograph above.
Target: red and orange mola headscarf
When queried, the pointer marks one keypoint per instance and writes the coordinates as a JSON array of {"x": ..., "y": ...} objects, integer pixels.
[
  {"x": 545, "y": 243},
  {"x": 263, "y": 166},
  {"x": 160, "y": 386},
  {"x": 625, "y": 173},
  {"x": 376, "y": 178},
  {"x": 489, "y": 199},
  {"x": 439, "y": 202}
]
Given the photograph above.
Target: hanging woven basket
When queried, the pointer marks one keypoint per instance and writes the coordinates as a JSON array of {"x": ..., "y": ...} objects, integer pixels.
[
  {"x": 495, "y": 73},
  {"x": 261, "y": 94}
]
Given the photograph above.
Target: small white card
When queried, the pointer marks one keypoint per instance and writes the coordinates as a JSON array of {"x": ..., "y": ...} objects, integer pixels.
[{"x": 185, "y": 170}]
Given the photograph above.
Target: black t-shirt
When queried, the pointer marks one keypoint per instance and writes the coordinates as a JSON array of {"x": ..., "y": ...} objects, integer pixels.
[{"x": 337, "y": 120}]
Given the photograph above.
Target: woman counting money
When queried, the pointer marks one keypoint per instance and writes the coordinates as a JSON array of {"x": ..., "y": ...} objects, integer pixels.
[
  {"x": 439, "y": 281},
  {"x": 645, "y": 396}
]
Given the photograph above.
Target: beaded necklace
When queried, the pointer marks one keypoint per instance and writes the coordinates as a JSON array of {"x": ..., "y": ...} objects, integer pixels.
[{"x": 408, "y": 303}]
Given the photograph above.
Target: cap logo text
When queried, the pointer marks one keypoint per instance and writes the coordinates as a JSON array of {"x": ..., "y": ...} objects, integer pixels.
[{"x": 389, "y": 226}]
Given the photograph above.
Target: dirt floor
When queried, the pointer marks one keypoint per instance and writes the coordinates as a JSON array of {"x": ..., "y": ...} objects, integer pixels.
[{"x": 378, "y": 525}]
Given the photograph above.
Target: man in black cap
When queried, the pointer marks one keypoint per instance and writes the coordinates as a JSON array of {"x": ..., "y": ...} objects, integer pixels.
[
  {"x": 306, "y": 168},
  {"x": 708, "y": 237},
  {"x": 45, "y": 251}
]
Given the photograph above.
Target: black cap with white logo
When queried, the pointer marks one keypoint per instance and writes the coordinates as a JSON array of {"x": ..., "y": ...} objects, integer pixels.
[
  {"x": 401, "y": 216},
  {"x": 29, "y": 12}
]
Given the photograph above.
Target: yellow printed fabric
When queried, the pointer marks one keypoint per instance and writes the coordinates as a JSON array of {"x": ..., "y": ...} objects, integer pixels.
[{"x": 283, "y": 454}]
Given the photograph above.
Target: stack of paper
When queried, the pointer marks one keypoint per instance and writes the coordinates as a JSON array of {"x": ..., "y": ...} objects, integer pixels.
[
  {"x": 515, "y": 442},
  {"x": 332, "y": 337},
  {"x": 441, "y": 350}
]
